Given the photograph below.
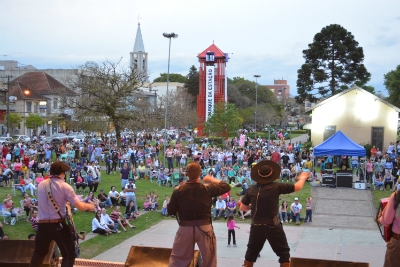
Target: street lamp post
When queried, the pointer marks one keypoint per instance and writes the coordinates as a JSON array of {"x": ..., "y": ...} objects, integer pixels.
[
  {"x": 169, "y": 36},
  {"x": 255, "y": 110}
]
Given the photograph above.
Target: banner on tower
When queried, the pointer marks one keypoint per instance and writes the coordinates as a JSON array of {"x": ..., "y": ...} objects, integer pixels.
[{"x": 209, "y": 91}]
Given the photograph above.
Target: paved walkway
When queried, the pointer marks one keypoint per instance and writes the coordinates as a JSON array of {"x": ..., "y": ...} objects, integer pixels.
[{"x": 304, "y": 242}]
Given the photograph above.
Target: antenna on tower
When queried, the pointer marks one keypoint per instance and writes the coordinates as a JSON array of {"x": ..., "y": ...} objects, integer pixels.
[{"x": 138, "y": 19}]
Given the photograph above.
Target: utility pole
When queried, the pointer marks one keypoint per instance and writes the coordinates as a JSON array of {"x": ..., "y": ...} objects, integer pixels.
[{"x": 8, "y": 102}]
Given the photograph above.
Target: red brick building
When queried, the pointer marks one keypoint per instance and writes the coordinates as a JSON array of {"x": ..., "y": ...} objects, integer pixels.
[{"x": 280, "y": 89}]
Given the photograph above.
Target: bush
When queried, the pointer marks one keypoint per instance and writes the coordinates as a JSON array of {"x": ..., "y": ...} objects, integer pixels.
[
  {"x": 368, "y": 149},
  {"x": 299, "y": 131},
  {"x": 214, "y": 139}
]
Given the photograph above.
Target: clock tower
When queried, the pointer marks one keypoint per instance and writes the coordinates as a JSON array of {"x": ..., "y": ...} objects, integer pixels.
[{"x": 139, "y": 57}]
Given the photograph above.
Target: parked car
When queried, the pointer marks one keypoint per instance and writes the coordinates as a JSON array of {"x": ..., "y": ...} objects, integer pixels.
[
  {"x": 76, "y": 138},
  {"x": 6, "y": 140},
  {"x": 56, "y": 138},
  {"x": 23, "y": 138}
]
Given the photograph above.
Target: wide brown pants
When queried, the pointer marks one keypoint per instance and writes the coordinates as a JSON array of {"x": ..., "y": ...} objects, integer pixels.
[{"x": 183, "y": 249}]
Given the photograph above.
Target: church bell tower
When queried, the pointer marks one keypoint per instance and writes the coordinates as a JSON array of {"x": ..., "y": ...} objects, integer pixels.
[{"x": 139, "y": 57}]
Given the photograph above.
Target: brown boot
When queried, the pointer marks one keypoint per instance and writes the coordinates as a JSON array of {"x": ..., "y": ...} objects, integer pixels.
[
  {"x": 247, "y": 264},
  {"x": 285, "y": 264}
]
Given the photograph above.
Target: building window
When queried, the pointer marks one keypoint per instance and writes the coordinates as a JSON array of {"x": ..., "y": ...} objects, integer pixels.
[
  {"x": 28, "y": 106},
  {"x": 329, "y": 131},
  {"x": 377, "y": 137},
  {"x": 279, "y": 91},
  {"x": 35, "y": 108},
  {"x": 55, "y": 103}
]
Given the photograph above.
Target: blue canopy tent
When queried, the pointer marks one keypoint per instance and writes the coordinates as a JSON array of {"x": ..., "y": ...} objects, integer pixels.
[{"x": 337, "y": 145}]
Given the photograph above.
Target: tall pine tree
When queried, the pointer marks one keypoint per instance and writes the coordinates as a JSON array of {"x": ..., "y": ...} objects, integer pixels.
[
  {"x": 332, "y": 62},
  {"x": 192, "y": 83}
]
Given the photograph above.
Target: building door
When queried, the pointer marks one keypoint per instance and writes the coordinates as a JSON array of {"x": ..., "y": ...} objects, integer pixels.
[
  {"x": 377, "y": 137},
  {"x": 329, "y": 131}
]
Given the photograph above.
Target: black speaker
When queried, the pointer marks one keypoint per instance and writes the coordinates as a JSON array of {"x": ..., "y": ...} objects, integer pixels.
[
  {"x": 303, "y": 262},
  {"x": 18, "y": 253},
  {"x": 328, "y": 180},
  {"x": 344, "y": 180},
  {"x": 154, "y": 257}
]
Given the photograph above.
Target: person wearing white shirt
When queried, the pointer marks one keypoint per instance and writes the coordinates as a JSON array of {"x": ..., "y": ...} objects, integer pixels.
[
  {"x": 295, "y": 209},
  {"x": 98, "y": 225},
  {"x": 219, "y": 209},
  {"x": 110, "y": 223},
  {"x": 130, "y": 189}
]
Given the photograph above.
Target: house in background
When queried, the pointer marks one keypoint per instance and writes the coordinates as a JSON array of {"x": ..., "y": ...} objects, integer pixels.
[
  {"x": 362, "y": 116},
  {"x": 38, "y": 93}
]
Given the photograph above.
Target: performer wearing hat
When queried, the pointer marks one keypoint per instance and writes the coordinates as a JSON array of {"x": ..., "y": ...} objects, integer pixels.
[
  {"x": 192, "y": 203},
  {"x": 263, "y": 200},
  {"x": 51, "y": 224}
]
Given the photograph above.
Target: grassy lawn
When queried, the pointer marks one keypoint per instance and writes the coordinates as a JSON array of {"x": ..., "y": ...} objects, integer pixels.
[
  {"x": 378, "y": 195},
  {"x": 99, "y": 244}
]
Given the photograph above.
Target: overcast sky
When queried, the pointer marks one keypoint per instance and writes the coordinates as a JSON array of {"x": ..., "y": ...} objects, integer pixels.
[{"x": 264, "y": 37}]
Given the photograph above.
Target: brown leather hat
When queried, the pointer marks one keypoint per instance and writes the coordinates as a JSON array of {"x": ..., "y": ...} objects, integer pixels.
[
  {"x": 193, "y": 170},
  {"x": 265, "y": 172},
  {"x": 59, "y": 167}
]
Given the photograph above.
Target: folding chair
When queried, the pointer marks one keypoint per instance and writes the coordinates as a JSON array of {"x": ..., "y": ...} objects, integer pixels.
[{"x": 2, "y": 213}]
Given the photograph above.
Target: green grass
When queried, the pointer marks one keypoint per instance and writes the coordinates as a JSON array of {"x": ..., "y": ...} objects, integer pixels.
[
  {"x": 378, "y": 195},
  {"x": 99, "y": 244}
]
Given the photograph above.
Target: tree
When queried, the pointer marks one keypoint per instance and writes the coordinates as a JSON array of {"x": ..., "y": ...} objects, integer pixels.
[
  {"x": 33, "y": 121},
  {"x": 225, "y": 119},
  {"x": 173, "y": 77},
  {"x": 333, "y": 59},
  {"x": 106, "y": 91},
  {"x": 192, "y": 82},
  {"x": 392, "y": 83},
  {"x": 15, "y": 120},
  {"x": 180, "y": 108}
]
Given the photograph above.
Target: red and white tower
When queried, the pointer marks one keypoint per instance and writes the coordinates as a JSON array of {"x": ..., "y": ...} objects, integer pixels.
[{"x": 212, "y": 83}]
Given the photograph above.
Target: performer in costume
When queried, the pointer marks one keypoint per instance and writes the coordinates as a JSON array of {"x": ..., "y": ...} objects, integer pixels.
[
  {"x": 263, "y": 200},
  {"x": 50, "y": 225},
  {"x": 391, "y": 215},
  {"x": 191, "y": 202}
]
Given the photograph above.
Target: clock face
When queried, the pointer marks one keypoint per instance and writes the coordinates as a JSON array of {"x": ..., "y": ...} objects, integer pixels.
[
  {"x": 134, "y": 55},
  {"x": 144, "y": 56}
]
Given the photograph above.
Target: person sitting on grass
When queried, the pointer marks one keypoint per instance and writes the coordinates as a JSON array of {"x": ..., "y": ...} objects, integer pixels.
[
  {"x": 19, "y": 184},
  {"x": 230, "y": 207},
  {"x": 34, "y": 220},
  {"x": 130, "y": 211},
  {"x": 104, "y": 198},
  {"x": 242, "y": 214},
  {"x": 99, "y": 226},
  {"x": 90, "y": 199},
  {"x": 295, "y": 209},
  {"x": 114, "y": 195},
  {"x": 244, "y": 188},
  {"x": 80, "y": 182},
  {"x": 147, "y": 204},
  {"x": 116, "y": 217},
  {"x": 113, "y": 226},
  {"x": 153, "y": 199}
]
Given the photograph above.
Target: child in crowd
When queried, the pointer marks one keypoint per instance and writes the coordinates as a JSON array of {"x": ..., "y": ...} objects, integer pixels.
[
  {"x": 308, "y": 210},
  {"x": 231, "y": 230},
  {"x": 147, "y": 205},
  {"x": 164, "y": 207}
]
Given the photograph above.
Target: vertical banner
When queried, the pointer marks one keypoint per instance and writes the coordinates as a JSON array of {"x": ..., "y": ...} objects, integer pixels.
[
  {"x": 209, "y": 91},
  {"x": 226, "y": 78},
  {"x": 226, "y": 85}
]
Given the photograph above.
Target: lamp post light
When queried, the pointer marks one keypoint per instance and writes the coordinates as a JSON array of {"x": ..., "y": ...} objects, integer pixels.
[
  {"x": 169, "y": 36},
  {"x": 255, "y": 110}
]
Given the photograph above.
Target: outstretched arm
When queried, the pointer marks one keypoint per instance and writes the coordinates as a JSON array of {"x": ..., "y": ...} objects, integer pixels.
[{"x": 301, "y": 179}]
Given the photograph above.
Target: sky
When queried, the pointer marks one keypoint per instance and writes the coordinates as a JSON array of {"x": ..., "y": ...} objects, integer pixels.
[{"x": 263, "y": 37}]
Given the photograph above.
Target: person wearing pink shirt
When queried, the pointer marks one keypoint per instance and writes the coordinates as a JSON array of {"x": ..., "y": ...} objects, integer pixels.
[
  {"x": 391, "y": 214},
  {"x": 231, "y": 230}
]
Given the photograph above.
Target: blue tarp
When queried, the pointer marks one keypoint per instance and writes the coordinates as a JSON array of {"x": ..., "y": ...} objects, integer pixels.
[{"x": 337, "y": 145}]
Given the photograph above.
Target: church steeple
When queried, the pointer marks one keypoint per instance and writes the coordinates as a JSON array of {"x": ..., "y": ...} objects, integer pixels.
[
  {"x": 139, "y": 46},
  {"x": 139, "y": 56}
]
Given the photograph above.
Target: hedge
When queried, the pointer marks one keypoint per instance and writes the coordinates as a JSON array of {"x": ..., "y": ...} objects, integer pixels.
[{"x": 215, "y": 139}]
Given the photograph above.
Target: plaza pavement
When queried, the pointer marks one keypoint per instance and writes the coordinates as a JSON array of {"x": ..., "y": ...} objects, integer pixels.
[{"x": 342, "y": 229}]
